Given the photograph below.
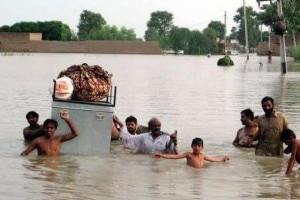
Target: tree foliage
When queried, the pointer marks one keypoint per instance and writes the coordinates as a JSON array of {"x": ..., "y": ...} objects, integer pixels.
[
  {"x": 252, "y": 26},
  {"x": 219, "y": 27},
  {"x": 108, "y": 32},
  {"x": 51, "y": 30},
  {"x": 161, "y": 22},
  {"x": 89, "y": 23}
]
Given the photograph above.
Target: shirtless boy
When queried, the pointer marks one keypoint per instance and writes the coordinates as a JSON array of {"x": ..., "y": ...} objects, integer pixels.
[
  {"x": 196, "y": 158},
  {"x": 49, "y": 145},
  {"x": 293, "y": 146}
]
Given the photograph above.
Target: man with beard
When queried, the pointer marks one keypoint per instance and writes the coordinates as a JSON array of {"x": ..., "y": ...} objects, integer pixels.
[
  {"x": 246, "y": 134},
  {"x": 131, "y": 125},
  {"x": 150, "y": 142},
  {"x": 271, "y": 124},
  {"x": 49, "y": 145}
]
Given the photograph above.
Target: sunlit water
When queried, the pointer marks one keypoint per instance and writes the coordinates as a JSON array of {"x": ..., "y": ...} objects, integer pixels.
[{"x": 188, "y": 93}]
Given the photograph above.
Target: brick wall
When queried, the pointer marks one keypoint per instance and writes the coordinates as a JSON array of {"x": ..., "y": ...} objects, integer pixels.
[
  {"x": 11, "y": 42},
  {"x": 263, "y": 47}
]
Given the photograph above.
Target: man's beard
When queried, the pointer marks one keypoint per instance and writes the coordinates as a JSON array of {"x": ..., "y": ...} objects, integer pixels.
[{"x": 268, "y": 111}]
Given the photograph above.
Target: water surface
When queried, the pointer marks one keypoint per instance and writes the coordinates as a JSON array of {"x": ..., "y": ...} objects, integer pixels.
[{"x": 188, "y": 93}]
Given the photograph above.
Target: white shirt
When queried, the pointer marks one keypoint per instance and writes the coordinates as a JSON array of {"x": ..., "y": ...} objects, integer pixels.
[{"x": 144, "y": 143}]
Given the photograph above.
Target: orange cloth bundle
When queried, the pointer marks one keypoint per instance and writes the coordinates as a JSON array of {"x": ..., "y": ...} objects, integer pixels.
[{"x": 91, "y": 83}]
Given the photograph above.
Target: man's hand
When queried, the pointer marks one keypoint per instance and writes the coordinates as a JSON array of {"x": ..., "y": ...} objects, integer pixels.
[
  {"x": 173, "y": 137},
  {"x": 64, "y": 114},
  {"x": 157, "y": 155}
]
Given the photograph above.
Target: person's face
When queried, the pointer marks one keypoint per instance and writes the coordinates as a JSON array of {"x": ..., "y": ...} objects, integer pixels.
[
  {"x": 244, "y": 119},
  {"x": 32, "y": 120},
  {"x": 267, "y": 106},
  {"x": 131, "y": 127},
  {"x": 197, "y": 148},
  {"x": 50, "y": 129},
  {"x": 155, "y": 127}
]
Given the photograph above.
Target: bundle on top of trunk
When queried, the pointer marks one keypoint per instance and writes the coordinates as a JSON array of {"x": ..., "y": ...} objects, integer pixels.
[{"x": 91, "y": 83}]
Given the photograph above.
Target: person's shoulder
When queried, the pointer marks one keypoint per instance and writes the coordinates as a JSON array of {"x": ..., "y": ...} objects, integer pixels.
[
  {"x": 39, "y": 140},
  {"x": 142, "y": 129},
  {"x": 279, "y": 114},
  {"x": 240, "y": 130},
  {"x": 26, "y": 128}
]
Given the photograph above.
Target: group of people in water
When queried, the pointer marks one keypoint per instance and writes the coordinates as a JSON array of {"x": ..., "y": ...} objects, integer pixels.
[{"x": 266, "y": 133}]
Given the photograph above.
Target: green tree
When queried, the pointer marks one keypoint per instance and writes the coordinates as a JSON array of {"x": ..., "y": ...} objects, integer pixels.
[
  {"x": 159, "y": 27},
  {"x": 209, "y": 41},
  {"x": 55, "y": 30},
  {"x": 151, "y": 34},
  {"x": 252, "y": 26},
  {"x": 194, "y": 43},
  {"x": 51, "y": 30},
  {"x": 26, "y": 27},
  {"x": 5, "y": 28},
  {"x": 127, "y": 34},
  {"x": 161, "y": 21},
  {"x": 89, "y": 22},
  {"x": 108, "y": 32},
  {"x": 179, "y": 39},
  {"x": 233, "y": 34},
  {"x": 218, "y": 27}
]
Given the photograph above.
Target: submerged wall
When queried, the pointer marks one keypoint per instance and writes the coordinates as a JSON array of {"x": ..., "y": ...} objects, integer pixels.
[
  {"x": 263, "y": 47},
  {"x": 31, "y": 42}
]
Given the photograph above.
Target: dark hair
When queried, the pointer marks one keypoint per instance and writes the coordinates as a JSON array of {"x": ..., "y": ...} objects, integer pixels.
[
  {"x": 249, "y": 113},
  {"x": 33, "y": 114},
  {"x": 287, "y": 134},
  {"x": 197, "y": 141},
  {"x": 131, "y": 119},
  {"x": 50, "y": 121},
  {"x": 267, "y": 98}
]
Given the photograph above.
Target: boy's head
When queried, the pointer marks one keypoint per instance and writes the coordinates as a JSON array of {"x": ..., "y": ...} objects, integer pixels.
[
  {"x": 287, "y": 135},
  {"x": 32, "y": 117},
  {"x": 197, "y": 141},
  {"x": 197, "y": 145},
  {"x": 50, "y": 126}
]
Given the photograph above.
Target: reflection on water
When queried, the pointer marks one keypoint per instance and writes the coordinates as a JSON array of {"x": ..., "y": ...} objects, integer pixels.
[{"x": 188, "y": 93}]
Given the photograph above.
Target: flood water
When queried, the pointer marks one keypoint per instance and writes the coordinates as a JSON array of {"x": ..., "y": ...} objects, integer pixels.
[{"x": 188, "y": 93}]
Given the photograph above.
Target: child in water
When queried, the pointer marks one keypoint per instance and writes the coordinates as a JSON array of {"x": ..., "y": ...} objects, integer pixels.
[
  {"x": 196, "y": 158},
  {"x": 293, "y": 146}
]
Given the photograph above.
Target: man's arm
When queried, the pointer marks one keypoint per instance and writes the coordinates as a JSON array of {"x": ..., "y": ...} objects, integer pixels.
[
  {"x": 172, "y": 144},
  {"x": 30, "y": 148},
  {"x": 292, "y": 159},
  {"x": 236, "y": 139},
  {"x": 74, "y": 131}
]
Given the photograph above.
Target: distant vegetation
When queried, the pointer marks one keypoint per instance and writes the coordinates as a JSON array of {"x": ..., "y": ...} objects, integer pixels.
[
  {"x": 296, "y": 53},
  {"x": 160, "y": 27}
]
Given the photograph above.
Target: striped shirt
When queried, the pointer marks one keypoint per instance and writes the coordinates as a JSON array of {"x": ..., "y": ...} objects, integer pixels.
[{"x": 144, "y": 143}]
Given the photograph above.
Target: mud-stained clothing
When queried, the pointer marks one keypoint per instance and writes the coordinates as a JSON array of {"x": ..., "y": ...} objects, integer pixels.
[{"x": 269, "y": 143}]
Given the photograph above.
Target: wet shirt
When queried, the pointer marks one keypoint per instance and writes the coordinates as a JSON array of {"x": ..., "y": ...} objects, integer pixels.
[
  {"x": 244, "y": 138},
  {"x": 269, "y": 143},
  {"x": 144, "y": 143}
]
